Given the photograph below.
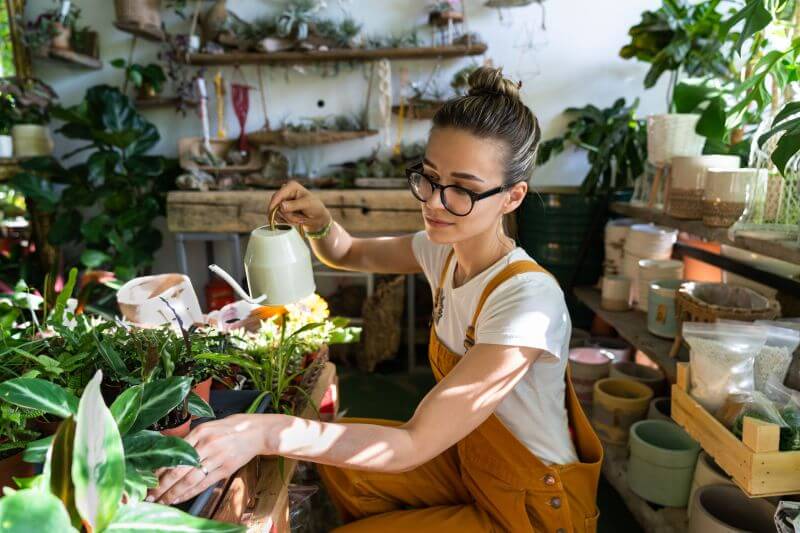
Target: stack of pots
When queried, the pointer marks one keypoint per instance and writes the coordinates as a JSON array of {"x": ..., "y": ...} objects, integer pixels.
[
  {"x": 726, "y": 509},
  {"x": 688, "y": 181},
  {"x": 615, "y": 234},
  {"x": 618, "y": 348},
  {"x": 651, "y": 270},
  {"x": 668, "y": 136},
  {"x": 587, "y": 366},
  {"x": 662, "y": 462},
  {"x": 728, "y": 192},
  {"x": 645, "y": 241},
  {"x": 617, "y": 404}
]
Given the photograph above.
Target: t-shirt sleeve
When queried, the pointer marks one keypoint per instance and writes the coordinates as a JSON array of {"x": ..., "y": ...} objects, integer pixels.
[
  {"x": 528, "y": 310},
  {"x": 430, "y": 256}
]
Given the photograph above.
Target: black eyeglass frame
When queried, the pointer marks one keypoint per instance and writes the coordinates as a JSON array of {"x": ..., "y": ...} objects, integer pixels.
[{"x": 474, "y": 196}]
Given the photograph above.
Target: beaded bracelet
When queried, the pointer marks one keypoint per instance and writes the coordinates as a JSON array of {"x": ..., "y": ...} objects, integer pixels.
[{"x": 320, "y": 234}]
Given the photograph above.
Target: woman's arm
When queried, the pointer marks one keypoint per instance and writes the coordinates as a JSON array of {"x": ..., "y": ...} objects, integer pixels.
[
  {"x": 381, "y": 255},
  {"x": 458, "y": 404}
]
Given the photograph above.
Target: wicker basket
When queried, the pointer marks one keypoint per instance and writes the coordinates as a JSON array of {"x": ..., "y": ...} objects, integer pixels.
[
  {"x": 708, "y": 302},
  {"x": 141, "y": 13},
  {"x": 382, "y": 314}
]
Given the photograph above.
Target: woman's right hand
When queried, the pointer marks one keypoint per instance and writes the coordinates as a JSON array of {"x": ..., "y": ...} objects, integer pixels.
[{"x": 298, "y": 205}]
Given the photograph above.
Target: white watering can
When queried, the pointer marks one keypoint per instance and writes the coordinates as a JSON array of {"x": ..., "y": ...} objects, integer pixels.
[{"x": 277, "y": 264}]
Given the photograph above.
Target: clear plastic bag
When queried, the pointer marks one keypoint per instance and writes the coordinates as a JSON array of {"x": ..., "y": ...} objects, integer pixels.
[
  {"x": 776, "y": 355},
  {"x": 722, "y": 359}
]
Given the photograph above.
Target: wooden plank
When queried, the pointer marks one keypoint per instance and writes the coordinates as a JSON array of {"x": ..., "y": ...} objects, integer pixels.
[
  {"x": 632, "y": 326},
  {"x": 257, "y": 495},
  {"x": 784, "y": 249},
  {"x": 761, "y": 436},
  {"x": 74, "y": 58},
  {"x": 358, "y": 211},
  {"x": 345, "y": 54}
]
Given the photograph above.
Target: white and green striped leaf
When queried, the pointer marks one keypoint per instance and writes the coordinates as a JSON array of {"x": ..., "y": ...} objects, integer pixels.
[
  {"x": 159, "y": 398},
  {"x": 149, "y": 450},
  {"x": 40, "y": 395},
  {"x": 98, "y": 462},
  {"x": 125, "y": 408},
  {"x": 152, "y": 517},
  {"x": 198, "y": 406},
  {"x": 30, "y": 510},
  {"x": 36, "y": 452}
]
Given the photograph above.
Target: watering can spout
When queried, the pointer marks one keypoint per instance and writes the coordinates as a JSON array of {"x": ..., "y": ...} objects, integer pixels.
[{"x": 236, "y": 287}]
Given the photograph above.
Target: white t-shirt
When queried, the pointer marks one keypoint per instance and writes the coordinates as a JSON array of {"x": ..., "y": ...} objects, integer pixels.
[{"x": 526, "y": 310}]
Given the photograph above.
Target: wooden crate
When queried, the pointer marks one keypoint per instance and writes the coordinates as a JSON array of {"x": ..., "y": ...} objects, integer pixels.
[
  {"x": 755, "y": 462},
  {"x": 258, "y": 495}
]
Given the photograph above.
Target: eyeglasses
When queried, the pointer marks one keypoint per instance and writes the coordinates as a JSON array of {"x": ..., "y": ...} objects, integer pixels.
[{"x": 456, "y": 199}]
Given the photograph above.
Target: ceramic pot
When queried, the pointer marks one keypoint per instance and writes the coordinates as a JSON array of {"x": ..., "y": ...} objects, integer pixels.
[
  {"x": 643, "y": 374},
  {"x": 707, "y": 472},
  {"x": 660, "y": 409},
  {"x": 616, "y": 293},
  {"x": 661, "y": 310},
  {"x": 147, "y": 92},
  {"x": 140, "y": 301},
  {"x": 662, "y": 462},
  {"x": 726, "y": 509},
  {"x": 672, "y": 135},
  {"x": 587, "y": 365},
  {"x": 13, "y": 466},
  {"x": 727, "y": 193},
  {"x": 31, "y": 140},
  {"x": 620, "y": 349},
  {"x": 655, "y": 269},
  {"x": 687, "y": 182},
  {"x": 616, "y": 405},
  {"x": 6, "y": 147}
]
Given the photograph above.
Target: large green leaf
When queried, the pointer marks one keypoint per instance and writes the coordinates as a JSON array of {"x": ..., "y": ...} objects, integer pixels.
[
  {"x": 149, "y": 450},
  {"x": 98, "y": 464},
  {"x": 36, "y": 451},
  {"x": 94, "y": 258},
  {"x": 198, "y": 406},
  {"x": 125, "y": 408},
  {"x": 36, "y": 189},
  {"x": 159, "y": 398},
  {"x": 30, "y": 510},
  {"x": 58, "y": 468},
  {"x": 137, "y": 482},
  {"x": 151, "y": 517},
  {"x": 756, "y": 17},
  {"x": 39, "y": 394},
  {"x": 102, "y": 164}
]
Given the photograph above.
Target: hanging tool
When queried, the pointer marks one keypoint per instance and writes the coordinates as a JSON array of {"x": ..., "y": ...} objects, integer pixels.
[
  {"x": 203, "y": 110},
  {"x": 219, "y": 95}
]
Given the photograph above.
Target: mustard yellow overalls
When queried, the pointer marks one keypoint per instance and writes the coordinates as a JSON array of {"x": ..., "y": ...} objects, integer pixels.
[{"x": 489, "y": 481}]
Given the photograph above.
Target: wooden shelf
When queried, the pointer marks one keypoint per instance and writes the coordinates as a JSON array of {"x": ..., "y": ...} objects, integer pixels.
[
  {"x": 74, "y": 58},
  {"x": 650, "y": 517},
  {"x": 158, "y": 102},
  {"x": 786, "y": 250},
  {"x": 296, "y": 139},
  {"x": 345, "y": 54},
  {"x": 148, "y": 32},
  {"x": 632, "y": 326}
]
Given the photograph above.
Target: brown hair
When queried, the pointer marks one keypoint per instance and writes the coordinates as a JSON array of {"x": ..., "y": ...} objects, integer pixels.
[{"x": 492, "y": 109}]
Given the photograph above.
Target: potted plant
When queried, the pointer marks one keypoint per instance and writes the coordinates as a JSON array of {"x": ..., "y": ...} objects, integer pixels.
[
  {"x": 7, "y": 113},
  {"x": 91, "y": 480},
  {"x": 27, "y": 105},
  {"x": 148, "y": 79},
  {"x": 139, "y": 15},
  {"x": 14, "y": 436}
]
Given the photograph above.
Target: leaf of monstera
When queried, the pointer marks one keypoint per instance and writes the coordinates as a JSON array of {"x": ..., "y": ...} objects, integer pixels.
[
  {"x": 149, "y": 450},
  {"x": 41, "y": 395},
  {"x": 756, "y": 17},
  {"x": 98, "y": 462},
  {"x": 125, "y": 408},
  {"x": 33, "y": 510},
  {"x": 58, "y": 468},
  {"x": 143, "y": 516},
  {"x": 159, "y": 398}
]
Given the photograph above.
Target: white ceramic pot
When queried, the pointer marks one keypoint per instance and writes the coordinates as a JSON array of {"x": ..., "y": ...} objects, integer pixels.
[
  {"x": 6, "y": 146},
  {"x": 645, "y": 241},
  {"x": 615, "y": 294},
  {"x": 687, "y": 181},
  {"x": 31, "y": 140},
  {"x": 672, "y": 135},
  {"x": 726, "y": 509},
  {"x": 650, "y": 270},
  {"x": 616, "y": 232},
  {"x": 728, "y": 191},
  {"x": 140, "y": 301},
  {"x": 278, "y": 267}
]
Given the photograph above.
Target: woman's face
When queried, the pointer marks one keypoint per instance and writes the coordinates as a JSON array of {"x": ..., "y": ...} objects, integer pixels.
[{"x": 456, "y": 157}]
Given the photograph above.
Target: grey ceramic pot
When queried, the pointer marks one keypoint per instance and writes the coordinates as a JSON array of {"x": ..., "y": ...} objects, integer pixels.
[{"x": 726, "y": 509}]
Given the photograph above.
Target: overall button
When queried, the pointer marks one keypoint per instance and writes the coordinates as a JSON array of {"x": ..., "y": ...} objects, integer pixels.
[
  {"x": 561, "y": 530},
  {"x": 555, "y": 502},
  {"x": 549, "y": 480}
]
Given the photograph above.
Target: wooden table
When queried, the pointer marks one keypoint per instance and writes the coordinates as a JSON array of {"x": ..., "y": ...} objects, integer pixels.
[
  {"x": 258, "y": 495},
  {"x": 357, "y": 210}
]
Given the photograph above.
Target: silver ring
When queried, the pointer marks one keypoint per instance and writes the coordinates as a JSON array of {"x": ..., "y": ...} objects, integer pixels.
[{"x": 204, "y": 470}]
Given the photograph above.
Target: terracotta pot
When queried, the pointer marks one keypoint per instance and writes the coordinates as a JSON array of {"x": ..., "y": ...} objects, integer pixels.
[
  {"x": 147, "y": 91},
  {"x": 61, "y": 40},
  {"x": 662, "y": 462},
  {"x": 726, "y": 509},
  {"x": 203, "y": 389},
  {"x": 180, "y": 430},
  {"x": 12, "y": 467}
]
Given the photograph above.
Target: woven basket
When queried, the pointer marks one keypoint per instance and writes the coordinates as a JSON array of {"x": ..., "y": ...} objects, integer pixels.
[
  {"x": 139, "y": 12},
  {"x": 708, "y": 302},
  {"x": 382, "y": 313}
]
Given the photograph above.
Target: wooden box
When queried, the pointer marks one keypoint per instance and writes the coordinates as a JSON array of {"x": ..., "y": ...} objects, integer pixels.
[{"x": 755, "y": 463}]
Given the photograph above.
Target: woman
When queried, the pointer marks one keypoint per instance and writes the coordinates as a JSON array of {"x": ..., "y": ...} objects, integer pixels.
[{"x": 500, "y": 443}]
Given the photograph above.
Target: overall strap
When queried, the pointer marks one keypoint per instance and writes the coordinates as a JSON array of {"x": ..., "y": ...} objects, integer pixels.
[
  {"x": 517, "y": 267},
  {"x": 437, "y": 298}
]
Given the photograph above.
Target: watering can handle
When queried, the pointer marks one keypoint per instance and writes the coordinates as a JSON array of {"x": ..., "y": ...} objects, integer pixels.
[
  {"x": 235, "y": 286},
  {"x": 271, "y": 221}
]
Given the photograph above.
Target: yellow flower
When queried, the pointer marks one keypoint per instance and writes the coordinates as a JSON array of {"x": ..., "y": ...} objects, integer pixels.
[{"x": 310, "y": 310}]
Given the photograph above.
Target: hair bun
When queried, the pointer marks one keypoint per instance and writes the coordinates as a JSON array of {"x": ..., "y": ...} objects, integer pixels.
[{"x": 489, "y": 80}]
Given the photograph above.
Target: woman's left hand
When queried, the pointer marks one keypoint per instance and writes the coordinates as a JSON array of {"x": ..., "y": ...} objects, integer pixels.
[{"x": 224, "y": 446}]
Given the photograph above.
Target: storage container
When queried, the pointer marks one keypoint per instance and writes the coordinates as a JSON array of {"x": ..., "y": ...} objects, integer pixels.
[{"x": 617, "y": 405}]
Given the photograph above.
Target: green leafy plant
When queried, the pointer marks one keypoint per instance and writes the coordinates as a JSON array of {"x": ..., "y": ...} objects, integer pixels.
[
  {"x": 14, "y": 431},
  {"x": 142, "y": 76},
  {"x": 787, "y": 125},
  {"x": 26, "y": 101},
  {"x": 125, "y": 186},
  {"x": 615, "y": 142},
  {"x": 88, "y": 470}
]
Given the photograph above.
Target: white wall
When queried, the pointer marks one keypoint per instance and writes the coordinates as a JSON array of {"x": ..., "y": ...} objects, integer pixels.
[{"x": 574, "y": 62}]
